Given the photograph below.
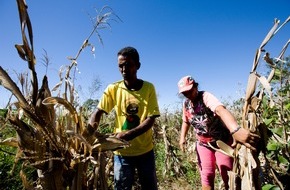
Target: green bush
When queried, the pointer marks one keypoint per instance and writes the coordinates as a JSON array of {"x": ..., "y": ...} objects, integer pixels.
[{"x": 9, "y": 180}]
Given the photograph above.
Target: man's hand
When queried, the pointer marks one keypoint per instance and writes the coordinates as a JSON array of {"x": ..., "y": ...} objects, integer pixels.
[{"x": 123, "y": 135}]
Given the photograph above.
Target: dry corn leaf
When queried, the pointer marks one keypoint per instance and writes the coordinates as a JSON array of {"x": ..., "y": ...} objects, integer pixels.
[
  {"x": 65, "y": 103},
  {"x": 256, "y": 60},
  {"x": 21, "y": 52},
  {"x": 268, "y": 59},
  {"x": 284, "y": 49},
  {"x": 267, "y": 87},
  {"x": 223, "y": 148},
  {"x": 255, "y": 103},
  {"x": 109, "y": 142},
  {"x": 10, "y": 142},
  {"x": 270, "y": 33},
  {"x": 271, "y": 74},
  {"x": 252, "y": 118},
  {"x": 285, "y": 22},
  {"x": 45, "y": 111},
  {"x": 251, "y": 86},
  {"x": 10, "y": 85},
  {"x": 57, "y": 86}
]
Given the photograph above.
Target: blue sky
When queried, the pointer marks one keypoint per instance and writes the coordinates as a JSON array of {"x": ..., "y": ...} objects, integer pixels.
[{"x": 214, "y": 41}]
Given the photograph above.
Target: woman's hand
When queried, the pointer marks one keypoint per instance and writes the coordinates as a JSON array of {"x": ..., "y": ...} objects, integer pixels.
[
  {"x": 182, "y": 145},
  {"x": 247, "y": 138}
]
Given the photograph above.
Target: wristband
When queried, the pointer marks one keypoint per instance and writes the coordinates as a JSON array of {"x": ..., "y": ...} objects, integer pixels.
[{"x": 234, "y": 131}]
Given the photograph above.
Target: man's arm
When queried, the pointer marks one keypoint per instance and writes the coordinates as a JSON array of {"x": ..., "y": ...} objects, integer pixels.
[
  {"x": 137, "y": 131},
  {"x": 95, "y": 120}
]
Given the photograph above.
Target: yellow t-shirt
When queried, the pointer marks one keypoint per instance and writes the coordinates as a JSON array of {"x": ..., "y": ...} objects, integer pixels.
[{"x": 131, "y": 108}]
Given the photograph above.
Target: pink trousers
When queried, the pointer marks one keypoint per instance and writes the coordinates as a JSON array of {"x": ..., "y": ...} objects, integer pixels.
[{"x": 208, "y": 159}]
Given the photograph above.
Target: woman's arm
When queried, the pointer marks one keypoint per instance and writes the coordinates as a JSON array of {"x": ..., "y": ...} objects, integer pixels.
[
  {"x": 240, "y": 134},
  {"x": 182, "y": 140}
]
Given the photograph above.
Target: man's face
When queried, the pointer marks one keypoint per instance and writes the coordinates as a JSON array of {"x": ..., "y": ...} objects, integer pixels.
[{"x": 127, "y": 67}]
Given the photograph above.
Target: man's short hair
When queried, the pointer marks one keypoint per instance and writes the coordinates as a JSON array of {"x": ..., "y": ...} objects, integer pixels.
[{"x": 131, "y": 52}]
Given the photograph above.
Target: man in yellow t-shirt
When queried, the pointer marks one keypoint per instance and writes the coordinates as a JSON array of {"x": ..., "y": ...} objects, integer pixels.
[{"x": 135, "y": 104}]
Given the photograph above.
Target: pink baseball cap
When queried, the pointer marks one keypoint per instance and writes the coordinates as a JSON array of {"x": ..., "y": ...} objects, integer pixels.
[{"x": 185, "y": 84}]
